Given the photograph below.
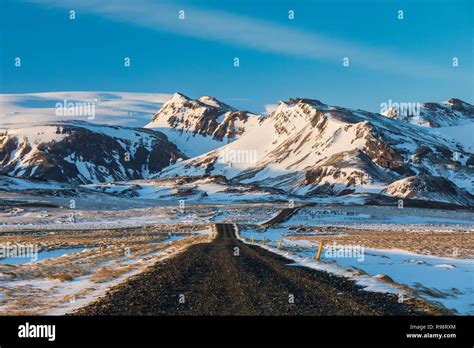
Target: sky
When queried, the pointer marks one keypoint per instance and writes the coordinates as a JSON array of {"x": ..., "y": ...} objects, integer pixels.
[{"x": 403, "y": 60}]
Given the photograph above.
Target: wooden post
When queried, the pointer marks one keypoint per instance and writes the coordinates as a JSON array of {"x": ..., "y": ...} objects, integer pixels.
[{"x": 319, "y": 251}]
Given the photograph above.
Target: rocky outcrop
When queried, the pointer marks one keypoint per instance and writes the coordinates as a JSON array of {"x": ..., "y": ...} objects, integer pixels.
[
  {"x": 306, "y": 147},
  {"x": 453, "y": 112},
  {"x": 434, "y": 188},
  {"x": 79, "y": 152},
  {"x": 206, "y": 116}
]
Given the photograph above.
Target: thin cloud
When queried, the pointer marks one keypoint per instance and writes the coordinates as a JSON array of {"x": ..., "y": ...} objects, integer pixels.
[
  {"x": 269, "y": 108},
  {"x": 249, "y": 32}
]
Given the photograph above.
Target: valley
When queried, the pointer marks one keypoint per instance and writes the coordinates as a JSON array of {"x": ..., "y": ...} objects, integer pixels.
[{"x": 386, "y": 200}]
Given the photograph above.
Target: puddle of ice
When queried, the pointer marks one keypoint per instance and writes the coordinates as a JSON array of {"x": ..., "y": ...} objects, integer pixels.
[
  {"x": 47, "y": 254},
  {"x": 171, "y": 238}
]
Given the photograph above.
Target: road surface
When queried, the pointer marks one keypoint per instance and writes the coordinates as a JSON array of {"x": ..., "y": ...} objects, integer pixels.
[{"x": 228, "y": 277}]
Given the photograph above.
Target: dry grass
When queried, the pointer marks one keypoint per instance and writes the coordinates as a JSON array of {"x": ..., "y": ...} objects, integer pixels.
[
  {"x": 110, "y": 256},
  {"x": 107, "y": 274},
  {"x": 62, "y": 277},
  {"x": 443, "y": 244}
]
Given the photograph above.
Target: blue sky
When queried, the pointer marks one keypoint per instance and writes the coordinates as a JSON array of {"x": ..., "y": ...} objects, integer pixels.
[{"x": 402, "y": 60}]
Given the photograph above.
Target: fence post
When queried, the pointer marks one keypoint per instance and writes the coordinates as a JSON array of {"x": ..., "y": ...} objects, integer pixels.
[{"x": 319, "y": 251}]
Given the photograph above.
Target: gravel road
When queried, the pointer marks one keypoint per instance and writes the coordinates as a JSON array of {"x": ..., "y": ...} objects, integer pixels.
[{"x": 228, "y": 277}]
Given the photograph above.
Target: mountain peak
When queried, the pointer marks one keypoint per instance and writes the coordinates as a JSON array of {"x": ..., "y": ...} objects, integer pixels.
[
  {"x": 313, "y": 102},
  {"x": 214, "y": 103},
  {"x": 453, "y": 112},
  {"x": 206, "y": 122},
  {"x": 204, "y": 102},
  {"x": 178, "y": 97},
  {"x": 455, "y": 101}
]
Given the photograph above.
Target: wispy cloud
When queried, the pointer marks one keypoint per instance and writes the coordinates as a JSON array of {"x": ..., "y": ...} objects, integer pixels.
[
  {"x": 249, "y": 32},
  {"x": 269, "y": 108}
]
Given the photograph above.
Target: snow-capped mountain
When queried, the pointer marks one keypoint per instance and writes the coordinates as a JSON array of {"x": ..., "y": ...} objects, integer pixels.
[
  {"x": 201, "y": 125},
  {"x": 82, "y": 152},
  {"x": 453, "y": 112},
  {"x": 432, "y": 188},
  {"x": 452, "y": 119},
  {"x": 306, "y": 147},
  {"x": 112, "y": 108}
]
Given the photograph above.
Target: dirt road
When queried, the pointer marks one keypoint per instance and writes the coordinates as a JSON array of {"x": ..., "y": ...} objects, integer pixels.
[{"x": 228, "y": 277}]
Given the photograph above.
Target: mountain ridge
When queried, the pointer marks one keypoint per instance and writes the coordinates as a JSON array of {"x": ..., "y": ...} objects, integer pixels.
[
  {"x": 307, "y": 147},
  {"x": 304, "y": 147},
  {"x": 82, "y": 152},
  {"x": 201, "y": 125}
]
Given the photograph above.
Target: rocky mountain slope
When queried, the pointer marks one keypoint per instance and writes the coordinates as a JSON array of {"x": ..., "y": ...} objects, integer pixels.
[
  {"x": 453, "y": 112},
  {"x": 432, "y": 188},
  {"x": 306, "y": 147},
  {"x": 81, "y": 152},
  {"x": 201, "y": 125}
]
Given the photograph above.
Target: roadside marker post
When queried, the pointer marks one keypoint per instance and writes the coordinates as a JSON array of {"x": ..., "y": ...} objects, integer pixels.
[
  {"x": 280, "y": 243},
  {"x": 319, "y": 251}
]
